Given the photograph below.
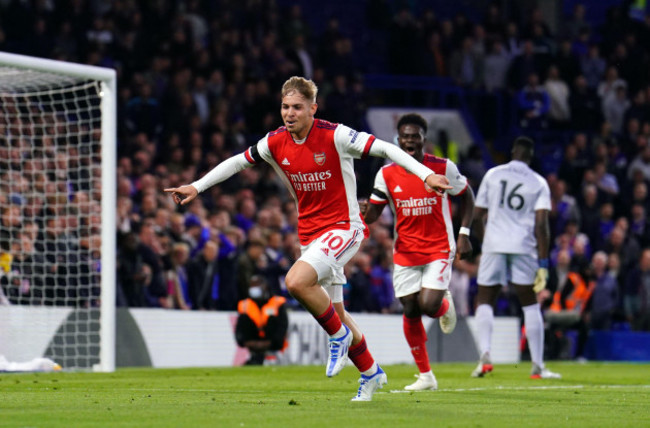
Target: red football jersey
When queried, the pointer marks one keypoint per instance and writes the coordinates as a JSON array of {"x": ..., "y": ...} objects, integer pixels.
[
  {"x": 423, "y": 224},
  {"x": 319, "y": 172}
]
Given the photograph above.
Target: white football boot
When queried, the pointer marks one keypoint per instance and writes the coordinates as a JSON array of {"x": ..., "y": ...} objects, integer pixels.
[
  {"x": 370, "y": 384},
  {"x": 543, "y": 373},
  {"x": 425, "y": 382},
  {"x": 484, "y": 366},
  {"x": 338, "y": 355},
  {"x": 448, "y": 320}
]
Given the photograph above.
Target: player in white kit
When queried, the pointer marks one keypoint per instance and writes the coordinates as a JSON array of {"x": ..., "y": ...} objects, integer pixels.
[
  {"x": 513, "y": 203},
  {"x": 315, "y": 159}
]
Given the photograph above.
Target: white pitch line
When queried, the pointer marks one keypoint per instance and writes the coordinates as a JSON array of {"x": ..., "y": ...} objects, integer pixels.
[
  {"x": 523, "y": 388},
  {"x": 401, "y": 391}
]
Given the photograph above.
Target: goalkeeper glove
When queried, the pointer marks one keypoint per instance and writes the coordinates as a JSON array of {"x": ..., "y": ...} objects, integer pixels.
[{"x": 541, "y": 276}]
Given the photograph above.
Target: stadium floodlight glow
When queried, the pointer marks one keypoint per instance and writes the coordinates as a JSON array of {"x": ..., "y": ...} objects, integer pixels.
[{"x": 57, "y": 208}]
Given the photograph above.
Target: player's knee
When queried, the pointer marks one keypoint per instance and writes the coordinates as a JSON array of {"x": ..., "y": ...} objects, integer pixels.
[
  {"x": 293, "y": 283},
  {"x": 431, "y": 307}
]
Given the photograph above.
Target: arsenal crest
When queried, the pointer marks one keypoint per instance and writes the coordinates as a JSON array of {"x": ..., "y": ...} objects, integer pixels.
[{"x": 319, "y": 158}]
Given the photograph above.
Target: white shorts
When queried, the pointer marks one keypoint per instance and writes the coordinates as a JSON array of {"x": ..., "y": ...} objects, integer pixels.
[
  {"x": 500, "y": 269},
  {"x": 328, "y": 253},
  {"x": 411, "y": 279}
]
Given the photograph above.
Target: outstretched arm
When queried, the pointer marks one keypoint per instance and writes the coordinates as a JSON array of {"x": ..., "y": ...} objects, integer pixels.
[
  {"x": 185, "y": 194},
  {"x": 383, "y": 149}
]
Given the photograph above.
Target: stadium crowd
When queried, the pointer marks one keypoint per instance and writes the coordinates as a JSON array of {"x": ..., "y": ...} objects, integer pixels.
[{"x": 199, "y": 81}]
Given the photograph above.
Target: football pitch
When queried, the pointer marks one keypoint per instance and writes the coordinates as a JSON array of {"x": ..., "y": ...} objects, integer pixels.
[{"x": 589, "y": 395}]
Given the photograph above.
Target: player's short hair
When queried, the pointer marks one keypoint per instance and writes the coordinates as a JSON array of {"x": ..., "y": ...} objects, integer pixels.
[
  {"x": 413, "y": 119},
  {"x": 523, "y": 148},
  {"x": 524, "y": 142},
  {"x": 304, "y": 87}
]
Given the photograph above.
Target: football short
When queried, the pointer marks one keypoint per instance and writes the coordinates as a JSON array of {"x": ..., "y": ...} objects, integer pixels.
[
  {"x": 328, "y": 253},
  {"x": 411, "y": 279},
  {"x": 500, "y": 269}
]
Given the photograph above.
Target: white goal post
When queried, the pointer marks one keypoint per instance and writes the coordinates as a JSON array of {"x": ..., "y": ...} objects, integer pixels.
[{"x": 57, "y": 212}]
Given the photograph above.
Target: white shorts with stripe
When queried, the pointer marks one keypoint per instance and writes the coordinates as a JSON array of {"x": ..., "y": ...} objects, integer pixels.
[
  {"x": 500, "y": 269},
  {"x": 328, "y": 253},
  {"x": 411, "y": 279}
]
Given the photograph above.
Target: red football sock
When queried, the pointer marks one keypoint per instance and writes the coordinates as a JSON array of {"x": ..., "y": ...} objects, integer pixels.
[
  {"x": 361, "y": 356},
  {"x": 443, "y": 309},
  {"x": 416, "y": 337},
  {"x": 329, "y": 320}
]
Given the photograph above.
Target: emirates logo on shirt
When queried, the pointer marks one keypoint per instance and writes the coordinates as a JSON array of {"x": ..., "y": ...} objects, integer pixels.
[{"x": 319, "y": 158}]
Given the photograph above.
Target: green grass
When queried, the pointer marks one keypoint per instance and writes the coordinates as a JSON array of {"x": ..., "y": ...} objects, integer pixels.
[{"x": 591, "y": 395}]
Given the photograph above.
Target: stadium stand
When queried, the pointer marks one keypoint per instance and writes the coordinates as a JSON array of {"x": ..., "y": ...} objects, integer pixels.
[{"x": 198, "y": 82}]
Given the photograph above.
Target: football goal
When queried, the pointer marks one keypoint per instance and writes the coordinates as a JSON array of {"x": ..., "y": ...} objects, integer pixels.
[{"x": 57, "y": 212}]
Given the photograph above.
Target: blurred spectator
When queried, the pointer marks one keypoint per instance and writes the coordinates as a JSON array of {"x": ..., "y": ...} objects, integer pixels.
[
  {"x": 573, "y": 288},
  {"x": 625, "y": 245},
  {"x": 590, "y": 217},
  {"x": 564, "y": 208},
  {"x": 614, "y": 108},
  {"x": 605, "y": 181},
  {"x": 523, "y": 66},
  {"x": 403, "y": 44},
  {"x": 593, "y": 67},
  {"x": 139, "y": 272},
  {"x": 381, "y": 281},
  {"x": 641, "y": 163},
  {"x": 586, "y": 112},
  {"x": 251, "y": 262},
  {"x": 435, "y": 62},
  {"x": 278, "y": 262},
  {"x": 493, "y": 23},
  {"x": 497, "y": 62},
  {"x": 445, "y": 147},
  {"x": 473, "y": 166},
  {"x": 534, "y": 104},
  {"x": 640, "y": 224},
  {"x": 604, "y": 295},
  {"x": 178, "y": 285},
  {"x": 462, "y": 275},
  {"x": 262, "y": 323},
  {"x": 636, "y": 297},
  {"x": 512, "y": 43},
  {"x": 567, "y": 63},
  {"x": 605, "y": 224},
  {"x": 607, "y": 87},
  {"x": 558, "y": 92},
  {"x": 358, "y": 291},
  {"x": 467, "y": 65},
  {"x": 576, "y": 22}
]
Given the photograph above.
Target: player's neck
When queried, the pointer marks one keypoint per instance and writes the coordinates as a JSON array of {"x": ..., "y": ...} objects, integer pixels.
[{"x": 301, "y": 136}]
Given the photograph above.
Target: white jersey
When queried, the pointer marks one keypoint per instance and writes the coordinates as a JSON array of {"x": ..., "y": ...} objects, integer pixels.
[{"x": 512, "y": 193}]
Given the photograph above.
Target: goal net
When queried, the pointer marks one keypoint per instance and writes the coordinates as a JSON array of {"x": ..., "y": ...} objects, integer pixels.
[{"x": 57, "y": 204}]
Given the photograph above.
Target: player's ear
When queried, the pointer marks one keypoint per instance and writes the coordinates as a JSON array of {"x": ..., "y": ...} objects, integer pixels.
[{"x": 313, "y": 108}]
